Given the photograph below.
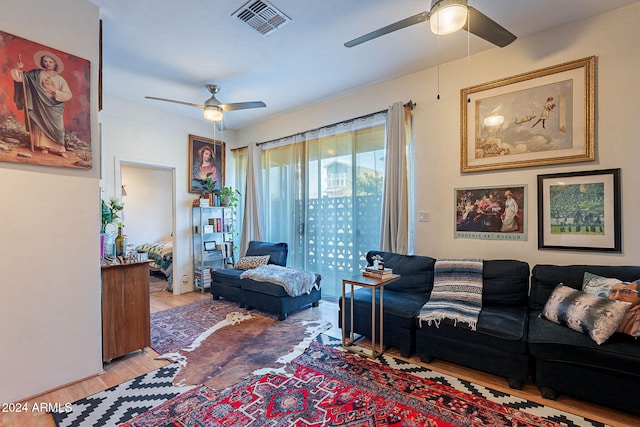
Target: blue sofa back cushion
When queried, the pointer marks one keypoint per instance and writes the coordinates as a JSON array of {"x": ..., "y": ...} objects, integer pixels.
[
  {"x": 416, "y": 271},
  {"x": 277, "y": 251},
  {"x": 505, "y": 282},
  {"x": 545, "y": 278}
]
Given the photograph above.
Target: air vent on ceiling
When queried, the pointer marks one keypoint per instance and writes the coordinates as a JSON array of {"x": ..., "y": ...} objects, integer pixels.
[{"x": 261, "y": 16}]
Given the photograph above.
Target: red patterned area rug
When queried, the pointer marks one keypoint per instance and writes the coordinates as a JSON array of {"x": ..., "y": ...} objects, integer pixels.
[
  {"x": 244, "y": 344},
  {"x": 333, "y": 388},
  {"x": 178, "y": 327}
]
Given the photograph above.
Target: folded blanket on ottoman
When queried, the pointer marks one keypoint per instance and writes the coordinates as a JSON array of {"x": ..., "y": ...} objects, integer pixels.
[
  {"x": 457, "y": 292},
  {"x": 295, "y": 282}
]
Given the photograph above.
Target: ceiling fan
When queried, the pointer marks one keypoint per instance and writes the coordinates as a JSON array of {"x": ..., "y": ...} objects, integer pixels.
[
  {"x": 446, "y": 17},
  {"x": 213, "y": 109}
]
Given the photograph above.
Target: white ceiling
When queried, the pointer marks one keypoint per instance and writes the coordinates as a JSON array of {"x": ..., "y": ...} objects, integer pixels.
[{"x": 171, "y": 48}]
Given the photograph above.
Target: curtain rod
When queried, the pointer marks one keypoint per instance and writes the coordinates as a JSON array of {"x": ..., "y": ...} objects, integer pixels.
[{"x": 411, "y": 105}]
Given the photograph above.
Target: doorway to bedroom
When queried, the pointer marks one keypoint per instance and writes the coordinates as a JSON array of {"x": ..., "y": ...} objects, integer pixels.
[{"x": 149, "y": 200}]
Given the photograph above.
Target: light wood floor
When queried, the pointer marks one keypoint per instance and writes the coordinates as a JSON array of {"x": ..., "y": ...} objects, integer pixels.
[{"x": 138, "y": 363}]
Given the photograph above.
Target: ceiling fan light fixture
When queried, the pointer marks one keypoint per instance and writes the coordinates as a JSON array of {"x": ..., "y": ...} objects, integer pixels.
[
  {"x": 213, "y": 113},
  {"x": 447, "y": 16}
]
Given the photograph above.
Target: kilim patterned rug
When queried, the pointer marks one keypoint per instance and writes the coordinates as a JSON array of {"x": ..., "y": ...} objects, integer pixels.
[
  {"x": 179, "y": 327},
  {"x": 334, "y": 388},
  {"x": 124, "y": 401}
]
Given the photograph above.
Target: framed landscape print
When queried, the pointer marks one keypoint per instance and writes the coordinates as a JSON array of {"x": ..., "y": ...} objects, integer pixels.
[
  {"x": 206, "y": 156},
  {"x": 538, "y": 118},
  {"x": 46, "y": 116},
  {"x": 492, "y": 213},
  {"x": 580, "y": 211}
]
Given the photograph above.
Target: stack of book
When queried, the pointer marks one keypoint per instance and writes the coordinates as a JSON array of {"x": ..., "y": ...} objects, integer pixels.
[
  {"x": 377, "y": 273},
  {"x": 203, "y": 202}
]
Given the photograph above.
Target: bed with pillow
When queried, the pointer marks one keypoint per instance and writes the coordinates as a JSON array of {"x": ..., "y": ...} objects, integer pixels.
[
  {"x": 160, "y": 255},
  {"x": 583, "y": 333}
]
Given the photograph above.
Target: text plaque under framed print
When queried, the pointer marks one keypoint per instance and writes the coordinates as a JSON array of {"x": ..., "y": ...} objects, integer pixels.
[
  {"x": 205, "y": 156},
  {"x": 538, "y": 118},
  {"x": 54, "y": 88},
  {"x": 580, "y": 211},
  {"x": 492, "y": 213}
]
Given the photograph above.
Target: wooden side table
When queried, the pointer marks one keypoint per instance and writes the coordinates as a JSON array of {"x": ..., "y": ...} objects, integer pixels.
[
  {"x": 373, "y": 284},
  {"x": 126, "y": 314}
]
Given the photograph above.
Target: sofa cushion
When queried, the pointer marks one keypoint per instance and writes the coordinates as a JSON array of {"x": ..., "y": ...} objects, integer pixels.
[
  {"x": 590, "y": 314},
  {"x": 505, "y": 282},
  {"x": 399, "y": 307},
  {"x": 277, "y": 251},
  {"x": 501, "y": 328},
  {"x": 552, "y": 342},
  {"x": 249, "y": 262},
  {"x": 269, "y": 288},
  {"x": 228, "y": 276},
  {"x": 545, "y": 278},
  {"x": 416, "y": 271}
]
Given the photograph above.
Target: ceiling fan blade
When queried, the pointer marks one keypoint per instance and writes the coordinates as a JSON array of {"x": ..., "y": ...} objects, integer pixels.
[
  {"x": 242, "y": 105},
  {"x": 221, "y": 126},
  {"x": 484, "y": 27},
  {"x": 176, "y": 102},
  {"x": 407, "y": 22}
]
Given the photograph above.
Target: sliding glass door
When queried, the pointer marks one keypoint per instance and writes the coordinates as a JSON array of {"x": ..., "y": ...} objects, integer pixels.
[{"x": 323, "y": 196}]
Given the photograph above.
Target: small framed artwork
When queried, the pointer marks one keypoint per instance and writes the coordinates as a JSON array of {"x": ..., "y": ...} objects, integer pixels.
[
  {"x": 209, "y": 246},
  {"x": 538, "y": 118},
  {"x": 206, "y": 156},
  {"x": 492, "y": 213},
  {"x": 580, "y": 211}
]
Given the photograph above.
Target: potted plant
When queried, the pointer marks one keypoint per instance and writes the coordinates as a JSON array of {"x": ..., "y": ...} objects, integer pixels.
[
  {"x": 228, "y": 196},
  {"x": 208, "y": 188},
  {"x": 110, "y": 211}
]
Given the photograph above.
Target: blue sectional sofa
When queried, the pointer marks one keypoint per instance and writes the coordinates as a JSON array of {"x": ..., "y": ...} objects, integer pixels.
[
  {"x": 511, "y": 339},
  {"x": 265, "y": 296}
]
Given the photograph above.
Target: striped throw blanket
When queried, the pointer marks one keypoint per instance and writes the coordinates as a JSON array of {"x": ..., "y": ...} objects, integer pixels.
[{"x": 457, "y": 292}]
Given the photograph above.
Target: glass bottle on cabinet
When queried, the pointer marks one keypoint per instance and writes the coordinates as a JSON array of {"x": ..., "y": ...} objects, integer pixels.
[{"x": 212, "y": 242}]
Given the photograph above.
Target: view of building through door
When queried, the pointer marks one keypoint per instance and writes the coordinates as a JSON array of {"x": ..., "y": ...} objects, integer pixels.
[{"x": 323, "y": 197}]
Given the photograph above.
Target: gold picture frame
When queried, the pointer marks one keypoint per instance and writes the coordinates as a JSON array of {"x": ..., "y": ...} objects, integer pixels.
[
  {"x": 200, "y": 166},
  {"x": 538, "y": 118}
]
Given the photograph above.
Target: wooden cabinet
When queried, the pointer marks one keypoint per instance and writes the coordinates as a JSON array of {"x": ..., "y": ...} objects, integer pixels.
[{"x": 126, "y": 321}]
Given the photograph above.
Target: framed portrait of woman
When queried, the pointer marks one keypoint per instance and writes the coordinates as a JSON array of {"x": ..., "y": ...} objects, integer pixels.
[{"x": 206, "y": 158}]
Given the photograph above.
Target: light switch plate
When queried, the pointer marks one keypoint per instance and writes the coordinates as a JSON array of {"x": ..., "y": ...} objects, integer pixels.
[{"x": 424, "y": 216}]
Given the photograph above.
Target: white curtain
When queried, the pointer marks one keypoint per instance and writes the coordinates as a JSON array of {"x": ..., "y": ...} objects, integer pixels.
[
  {"x": 394, "y": 234},
  {"x": 252, "y": 228}
]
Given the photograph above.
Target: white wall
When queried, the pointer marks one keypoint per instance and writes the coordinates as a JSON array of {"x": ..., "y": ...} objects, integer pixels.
[
  {"x": 50, "y": 330},
  {"x": 611, "y": 37},
  {"x": 148, "y": 205},
  {"x": 135, "y": 133}
]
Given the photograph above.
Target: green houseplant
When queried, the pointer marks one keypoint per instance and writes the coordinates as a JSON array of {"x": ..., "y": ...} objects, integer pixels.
[
  {"x": 110, "y": 210},
  {"x": 208, "y": 185},
  {"x": 228, "y": 196}
]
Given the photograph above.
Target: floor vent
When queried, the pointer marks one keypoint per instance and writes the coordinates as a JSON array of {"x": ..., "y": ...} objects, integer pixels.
[{"x": 261, "y": 16}]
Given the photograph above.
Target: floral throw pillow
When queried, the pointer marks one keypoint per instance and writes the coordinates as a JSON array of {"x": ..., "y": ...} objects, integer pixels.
[
  {"x": 589, "y": 314},
  {"x": 249, "y": 262},
  {"x": 598, "y": 285},
  {"x": 616, "y": 289}
]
